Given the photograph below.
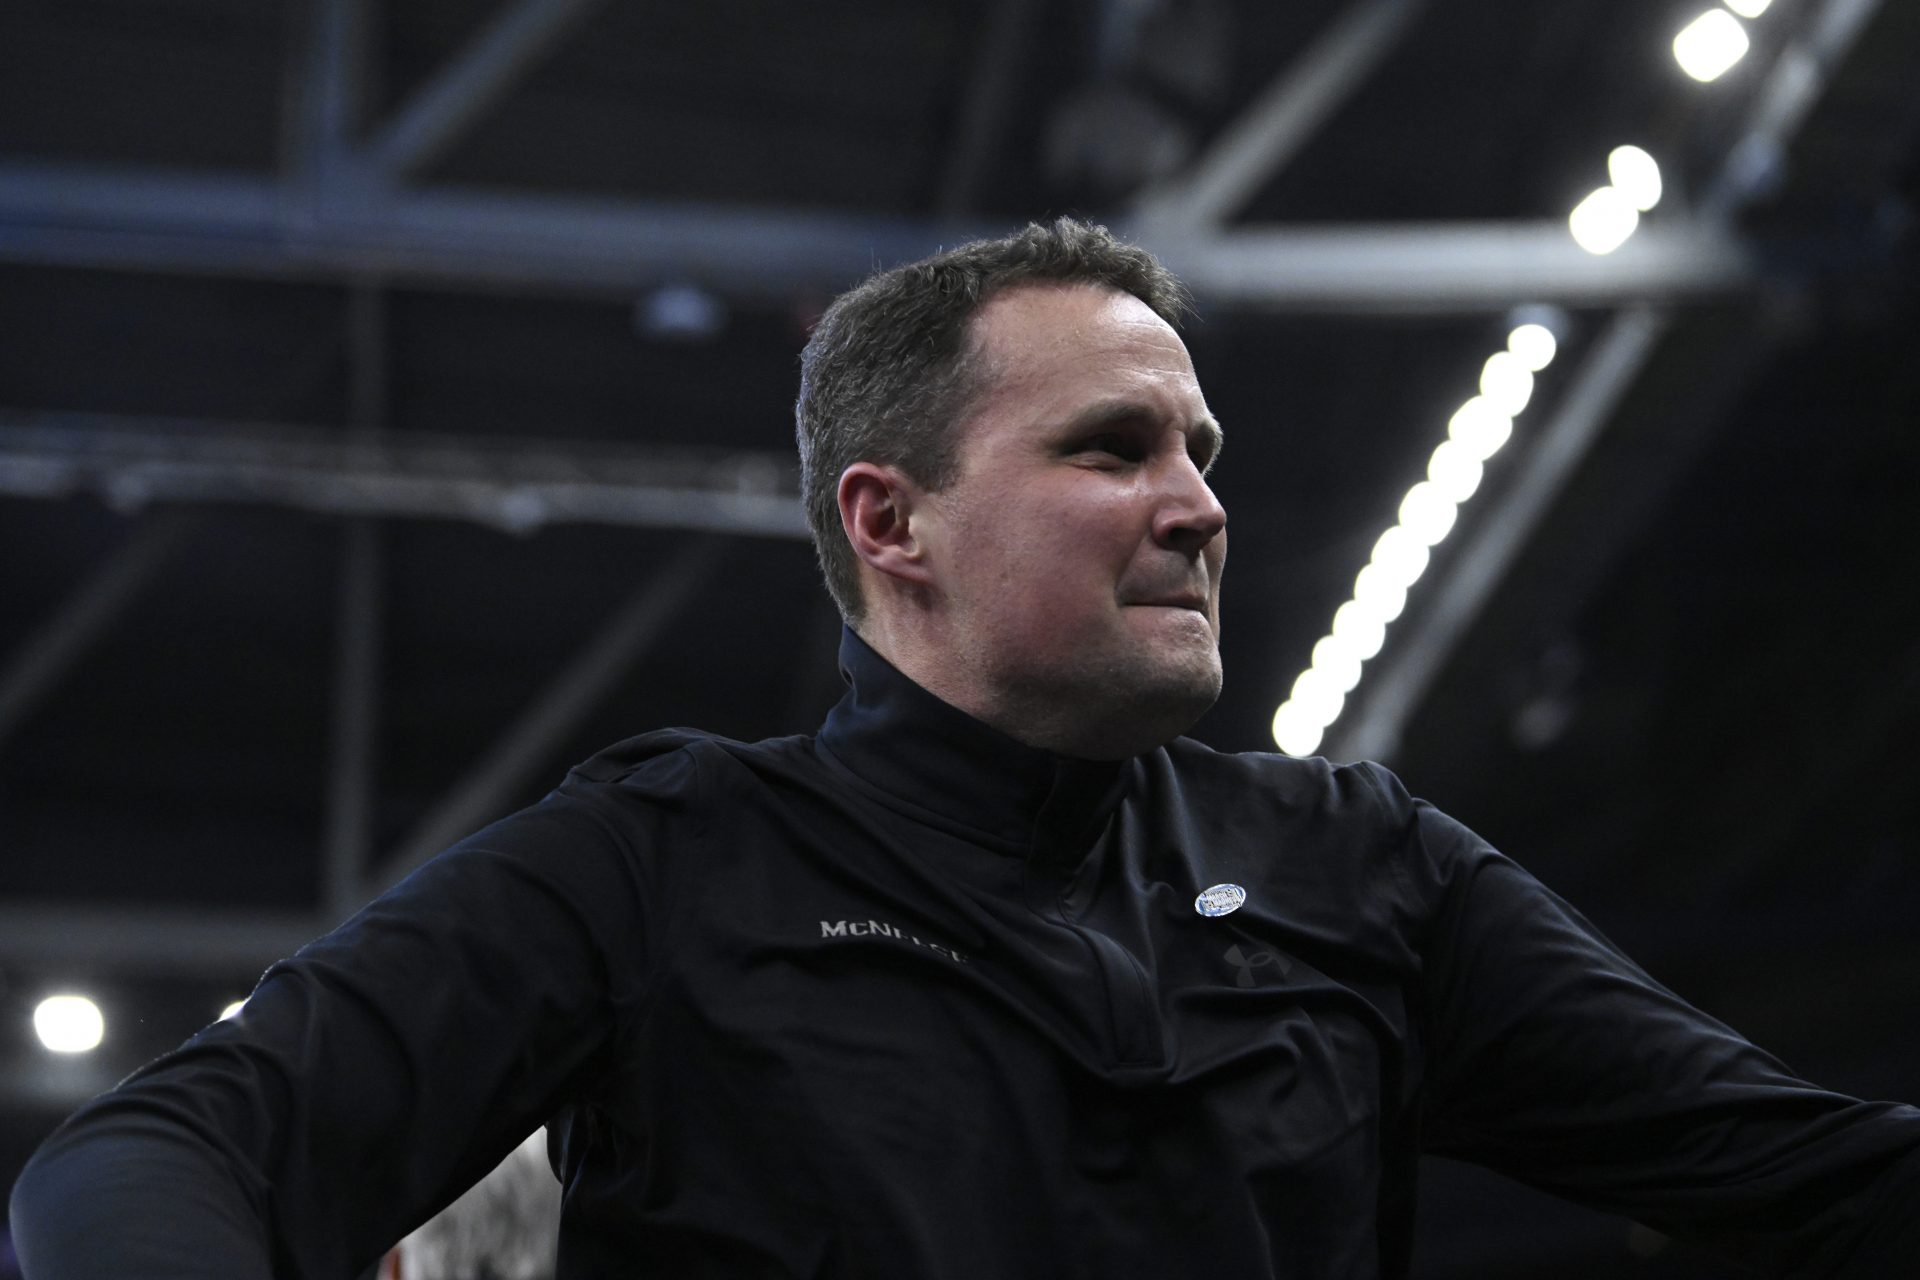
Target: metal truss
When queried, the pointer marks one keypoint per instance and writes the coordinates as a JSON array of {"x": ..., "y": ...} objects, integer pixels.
[
  {"x": 1282, "y": 119},
  {"x": 568, "y": 698},
  {"x": 347, "y": 207},
  {"x": 63, "y": 215},
  {"x": 346, "y": 210},
  {"x": 1418, "y": 652},
  {"x": 215, "y": 943},
  {"x": 135, "y": 462}
]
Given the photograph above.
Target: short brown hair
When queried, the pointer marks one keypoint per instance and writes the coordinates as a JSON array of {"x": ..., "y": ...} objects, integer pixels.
[{"x": 886, "y": 374}]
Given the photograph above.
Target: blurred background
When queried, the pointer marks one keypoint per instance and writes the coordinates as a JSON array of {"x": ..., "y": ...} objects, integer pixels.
[{"x": 395, "y": 407}]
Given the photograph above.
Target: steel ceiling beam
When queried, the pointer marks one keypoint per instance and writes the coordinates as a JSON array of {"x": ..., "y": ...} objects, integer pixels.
[
  {"x": 327, "y": 90},
  {"x": 132, "y": 462},
  {"x": 1282, "y": 119},
  {"x": 1002, "y": 53},
  {"x": 354, "y": 732},
  {"x": 1456, "y": 267},
  {"x": 158, "y": 220}
]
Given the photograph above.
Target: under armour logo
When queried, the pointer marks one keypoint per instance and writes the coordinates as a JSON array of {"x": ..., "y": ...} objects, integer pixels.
[{"x": 1247, "y": 961}]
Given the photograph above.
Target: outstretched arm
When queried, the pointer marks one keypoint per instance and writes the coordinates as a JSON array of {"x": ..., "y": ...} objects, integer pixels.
[
  {"x": 1557, "y": 1060},
  {"x": 370, "y": 1078}
]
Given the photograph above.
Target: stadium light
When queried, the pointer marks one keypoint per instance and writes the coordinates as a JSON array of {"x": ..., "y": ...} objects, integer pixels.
[
  {"x": 69, "y": 1024},
  {"x": 1707, "y": 47},
  {"x": 1635, "y": 175},
  {"x": 1534, "y": 344},
  {"x": 1602, "y": 222}
]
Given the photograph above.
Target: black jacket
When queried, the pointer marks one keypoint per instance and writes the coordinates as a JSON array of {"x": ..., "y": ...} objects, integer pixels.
[{"x": 909, "y": 999}]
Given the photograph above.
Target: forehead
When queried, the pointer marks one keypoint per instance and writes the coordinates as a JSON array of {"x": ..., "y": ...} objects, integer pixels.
[
  {"x": 1046, "y": 349},
  {"x": 1037, "y": 324}
]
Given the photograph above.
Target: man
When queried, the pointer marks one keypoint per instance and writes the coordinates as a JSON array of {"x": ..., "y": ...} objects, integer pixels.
[{"x": 995, "y": 975}]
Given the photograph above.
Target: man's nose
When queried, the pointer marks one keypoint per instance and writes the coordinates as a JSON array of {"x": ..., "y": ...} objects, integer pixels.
[{"x": 1189, "y": 516}]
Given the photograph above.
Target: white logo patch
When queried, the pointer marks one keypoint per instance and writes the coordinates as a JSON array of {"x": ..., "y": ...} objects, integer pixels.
[{"x": 1220, "y": 900}]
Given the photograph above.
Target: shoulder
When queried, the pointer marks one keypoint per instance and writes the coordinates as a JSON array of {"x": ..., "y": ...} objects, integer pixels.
[
  {"x": 1303, "y": 789},
  {"x": 679, "y": 770},
  {"x": 1349, "y": 830},
  {"x": 647, "y": 755},
  {"x": 664, "y": 750}
]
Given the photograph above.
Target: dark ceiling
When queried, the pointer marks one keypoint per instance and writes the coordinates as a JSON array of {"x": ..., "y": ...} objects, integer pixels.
[{"x": 395, "y": 408}]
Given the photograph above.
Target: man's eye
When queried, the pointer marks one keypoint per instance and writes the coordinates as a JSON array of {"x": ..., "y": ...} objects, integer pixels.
[{"x": 1117, "y": 445}]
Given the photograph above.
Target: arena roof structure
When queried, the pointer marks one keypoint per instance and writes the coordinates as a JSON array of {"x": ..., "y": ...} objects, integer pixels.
[{"x": 395, "y": 407}]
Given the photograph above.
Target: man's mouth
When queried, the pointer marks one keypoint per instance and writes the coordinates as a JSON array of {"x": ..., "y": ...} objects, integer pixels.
[{"x": 1197, "y": 603}]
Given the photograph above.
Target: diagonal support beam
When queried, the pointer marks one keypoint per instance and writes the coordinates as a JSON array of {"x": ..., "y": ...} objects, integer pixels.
[
  {"x": 353, "y": 750},
  {"x": 527, "y": 745},
  {"x": 35, "y": 670},
  {"x": 433, "y": 119},
  {"x": 1282, "y": 119},
  {"x": 1416, "y": 660}
]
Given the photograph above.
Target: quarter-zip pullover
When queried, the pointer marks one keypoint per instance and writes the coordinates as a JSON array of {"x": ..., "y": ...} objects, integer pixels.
[{"x": 909, "y": 998}]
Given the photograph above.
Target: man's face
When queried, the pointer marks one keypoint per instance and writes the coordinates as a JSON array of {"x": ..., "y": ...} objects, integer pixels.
[{"x": 1079, "y": 549}]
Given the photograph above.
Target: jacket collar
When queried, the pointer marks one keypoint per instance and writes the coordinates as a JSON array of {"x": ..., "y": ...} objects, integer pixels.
[{"x": 930, "y": 757}]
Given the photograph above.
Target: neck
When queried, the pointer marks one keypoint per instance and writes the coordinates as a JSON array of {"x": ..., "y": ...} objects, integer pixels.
[{"x": 1078, "y": 727}]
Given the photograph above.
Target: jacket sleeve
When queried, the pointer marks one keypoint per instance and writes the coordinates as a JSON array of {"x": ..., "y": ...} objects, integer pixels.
[
  {"x": 1555, "y": 1059},
  {"x": 374, "y": 1075}
]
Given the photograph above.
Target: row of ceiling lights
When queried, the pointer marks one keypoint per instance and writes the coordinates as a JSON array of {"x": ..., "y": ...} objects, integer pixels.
[{"x": 1705, "y": 49}]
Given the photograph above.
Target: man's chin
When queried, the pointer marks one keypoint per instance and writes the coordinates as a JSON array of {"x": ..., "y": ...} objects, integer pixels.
[
  {"x": 1141, "y": 698},
  {"x": 1168, "y": 701}
]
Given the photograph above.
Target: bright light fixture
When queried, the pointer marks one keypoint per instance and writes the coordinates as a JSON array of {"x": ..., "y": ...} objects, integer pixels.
[
  {"x": 1294, "y": 732},
  {"x": 1506, "y": 382},
  {"x": 1401, "y": 556},
  {"x": 69, "y": 1024},
  {"x": 1635, "y": 175},
  {"x": 1427, "y": 513},
  {"x": 1749, "y": 8},
  {"x": 1318, "y": 696},
  {"x": 1332, "y": 656},
  {"x": 1454, "y": 470},
  {"x": 1360, "y": 631},
  {"x": 1534, "y": 345},
  {"x": 1602, "y": 222},
  {"x": 1709, "y": 45},
  {"x": 1480, "y": 428},
  {"x": 1375, "y": 591}
]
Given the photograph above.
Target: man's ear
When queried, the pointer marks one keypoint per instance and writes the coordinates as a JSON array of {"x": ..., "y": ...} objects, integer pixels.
[{"x": 878, "y": 507}]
